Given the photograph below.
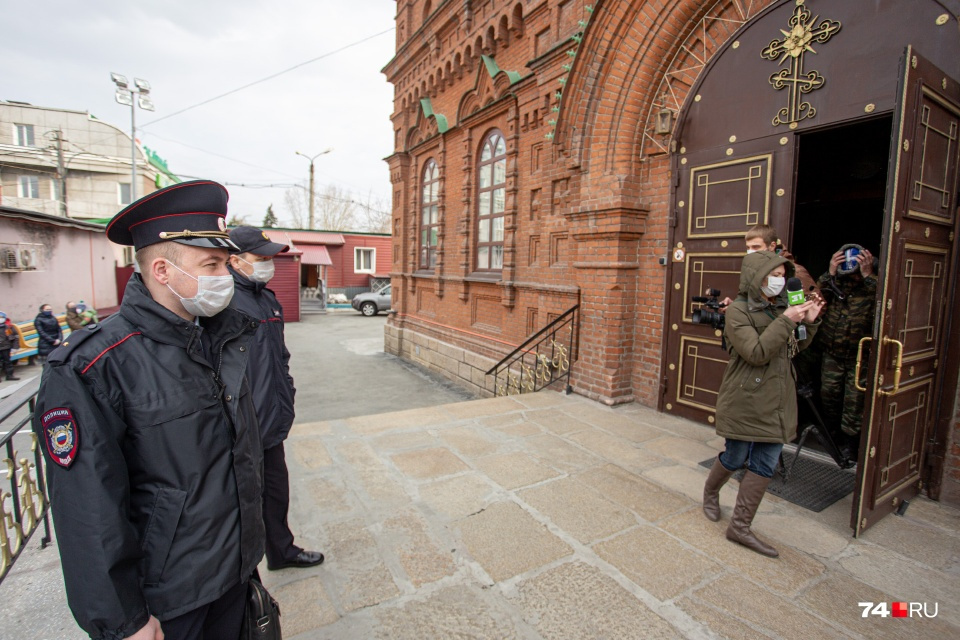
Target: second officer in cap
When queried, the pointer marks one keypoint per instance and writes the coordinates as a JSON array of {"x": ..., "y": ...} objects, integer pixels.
[
  {"x": 151, "y": 440},
  {"x": 268, "y": 369}
]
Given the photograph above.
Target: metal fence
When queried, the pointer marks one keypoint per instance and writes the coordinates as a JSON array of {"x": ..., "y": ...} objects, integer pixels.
[
  {"x": 542, "y": 360},
  {"x": 28, "y": 502}
]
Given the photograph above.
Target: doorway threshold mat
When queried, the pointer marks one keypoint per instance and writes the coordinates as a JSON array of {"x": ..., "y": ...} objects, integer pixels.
[{"x": 813, "y": 484}]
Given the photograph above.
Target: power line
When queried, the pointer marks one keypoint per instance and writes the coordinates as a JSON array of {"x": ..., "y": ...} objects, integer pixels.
[
  {"x": 219, "y": 155},
  {"x": 270, "y": 77}
]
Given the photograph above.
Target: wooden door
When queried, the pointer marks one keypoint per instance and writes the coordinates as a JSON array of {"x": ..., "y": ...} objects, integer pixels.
[
  {"x": 719, "y": 194},
  {"x": 918, "y": 265}
]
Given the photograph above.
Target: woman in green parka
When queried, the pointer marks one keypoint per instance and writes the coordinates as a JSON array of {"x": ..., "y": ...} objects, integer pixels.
[{"x": 757, "y": 401}]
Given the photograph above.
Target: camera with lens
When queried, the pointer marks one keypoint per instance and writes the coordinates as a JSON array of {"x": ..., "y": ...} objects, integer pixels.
[{"x": 709, "y": 313}]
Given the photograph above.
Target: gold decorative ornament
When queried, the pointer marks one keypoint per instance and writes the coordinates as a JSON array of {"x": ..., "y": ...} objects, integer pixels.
[
  {"x": 913, "y": 62},
  {"x": 910, "y": 372},
  {"x": 942, "y": 19},
  {"x": 679, "y": 245},
  {"x": 873, "y": 452},
  {"x": 680, "y": 204},
  {"x": 880, "y": 379},
  {"x": 780, "y": 192},
  {"x": 669, "y": 407},
  {"x": 896, "y": 226},
  {"x": 863, "y": 524},
  {"x": 736, "y": 44},
  {"x": 674, "y": 327},
  {"x": 906, "y": 145},
  {"x": 696, "y": 98},
  {"x": 943, "y": 83},
  {"x": 672, "y": 366},
  {"x": 724, "y": 244},
  {"x": 711, "y": 419},
  {"x": 869, "y": 108},
  {"x": 683, "y": 161},
  {"x": 729, "y": 152},
  {"x": 793, "y": 125},
  {"x": 926, "y": 232},
  {"x": 951, "y": 236},
  {"x": 733, "y": 139},
  {"x": 683, "y": 149},
  {"x": 718, "y": 333},
  {"x": 895, "y": 501},
  {"x": 889, "y": 304},
  {"x": 784, "y": 140},
  {"x": 676, "y": 286},
  {"x": 791, "y": 48},
  {"x": 936, "y": 363}
]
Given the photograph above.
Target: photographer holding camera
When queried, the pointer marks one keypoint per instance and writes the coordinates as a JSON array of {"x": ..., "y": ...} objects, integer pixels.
[{"x": 757, "y": 401}]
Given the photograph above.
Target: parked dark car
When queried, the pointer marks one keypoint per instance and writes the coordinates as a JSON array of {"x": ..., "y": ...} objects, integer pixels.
[{"x": 372, "y": 302}]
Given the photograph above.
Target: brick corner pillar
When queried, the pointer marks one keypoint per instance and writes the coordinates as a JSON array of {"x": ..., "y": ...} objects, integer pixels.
[{"x": 607, "y": 272}]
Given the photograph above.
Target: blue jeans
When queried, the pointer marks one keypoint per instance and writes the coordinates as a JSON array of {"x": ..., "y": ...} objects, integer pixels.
[{"x": 759, "y": 457}]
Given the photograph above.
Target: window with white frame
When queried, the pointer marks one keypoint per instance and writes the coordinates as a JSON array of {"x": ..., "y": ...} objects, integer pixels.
[
  {"x": 429, "y": 207},
  {"x": 123, "y": 192},
  {"x": 23, "y": 135},
  {"x": 364, "y": 260},
  {"x": 491, "y": 198},
  {"x": 28, "y": 187}
]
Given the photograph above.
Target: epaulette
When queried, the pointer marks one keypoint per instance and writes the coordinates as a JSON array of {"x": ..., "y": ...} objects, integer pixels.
[{"x": 62, "y": 353}]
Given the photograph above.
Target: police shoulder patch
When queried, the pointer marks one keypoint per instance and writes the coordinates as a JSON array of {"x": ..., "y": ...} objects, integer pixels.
[{"x": 62, "y": 435}]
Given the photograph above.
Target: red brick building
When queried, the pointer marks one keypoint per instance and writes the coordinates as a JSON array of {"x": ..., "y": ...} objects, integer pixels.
[{"x": 611, "y": 154}]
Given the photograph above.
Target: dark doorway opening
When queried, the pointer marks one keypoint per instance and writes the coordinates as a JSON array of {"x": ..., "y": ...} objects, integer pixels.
[
  {"x": 841, "y": 184},
  {"x": 840, "y": 192}
]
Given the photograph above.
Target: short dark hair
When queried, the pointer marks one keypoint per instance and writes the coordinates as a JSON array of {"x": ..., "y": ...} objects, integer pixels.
[{"x": 44, "y": 305}]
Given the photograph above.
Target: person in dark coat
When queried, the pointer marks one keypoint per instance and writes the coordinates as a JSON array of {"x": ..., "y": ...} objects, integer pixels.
[
  {"x": 269, "y": 372},
  {"x": 150, "y": 437},
  {"x": 8, "y": 340},
  {"x": 49, "y": 333}
]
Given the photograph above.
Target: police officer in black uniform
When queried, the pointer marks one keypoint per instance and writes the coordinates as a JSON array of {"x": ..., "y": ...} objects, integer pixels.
[
  {"x": 151, "y": 439},
  {"x": 268, "y": 370}
]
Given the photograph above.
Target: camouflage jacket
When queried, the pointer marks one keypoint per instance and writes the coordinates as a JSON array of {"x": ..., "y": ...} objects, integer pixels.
[{"x": 846, "y": 321}]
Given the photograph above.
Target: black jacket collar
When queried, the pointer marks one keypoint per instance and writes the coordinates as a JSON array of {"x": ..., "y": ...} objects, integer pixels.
[{"x": 160, "y": 324}]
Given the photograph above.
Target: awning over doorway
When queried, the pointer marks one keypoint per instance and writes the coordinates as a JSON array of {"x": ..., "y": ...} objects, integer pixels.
[{"x": 315, "y": 254}]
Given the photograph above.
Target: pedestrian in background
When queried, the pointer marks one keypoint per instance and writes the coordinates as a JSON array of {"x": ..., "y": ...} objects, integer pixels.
[
  {"x": 151, "y": 439},
  {"x": 49, "y": 333},
  {"x": 75, "y": 320},
  {"x": 757, "y": 401},
  {"x": 850, "y": 287},
  {"x": 252, "y": 267},
  {"x": 8, "y": 339}
]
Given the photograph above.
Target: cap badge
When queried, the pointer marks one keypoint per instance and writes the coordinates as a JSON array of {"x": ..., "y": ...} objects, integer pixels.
[
  {"x": 222, "y": 223},
  {"x": 265, "y": 236}
]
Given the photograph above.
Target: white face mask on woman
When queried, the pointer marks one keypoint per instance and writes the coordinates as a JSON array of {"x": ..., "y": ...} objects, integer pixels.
[
  {"x": 262, "y": 271},
  {"x": 213, "y": 294},
  {"x": 774, "y": 286}
]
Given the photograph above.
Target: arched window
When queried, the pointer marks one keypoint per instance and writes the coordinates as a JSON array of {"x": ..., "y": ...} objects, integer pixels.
[
  {"x": 491, "y": 198},
  {"x": 429, "y": 216}
]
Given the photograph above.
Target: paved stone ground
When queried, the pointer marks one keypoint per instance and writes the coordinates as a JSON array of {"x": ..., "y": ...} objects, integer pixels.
[{"x": 547, "y": 516}]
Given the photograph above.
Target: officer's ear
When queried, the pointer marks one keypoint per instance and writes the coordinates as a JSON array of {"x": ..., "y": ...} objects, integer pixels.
[{"x": 160, "y": 270}]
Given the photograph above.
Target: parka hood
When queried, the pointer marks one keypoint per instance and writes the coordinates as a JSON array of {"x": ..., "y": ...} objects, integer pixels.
[{"x": 755, "y": 268}]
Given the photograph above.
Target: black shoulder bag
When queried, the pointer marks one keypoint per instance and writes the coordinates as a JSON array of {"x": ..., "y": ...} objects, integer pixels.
[{"x": 261, "y": 620}]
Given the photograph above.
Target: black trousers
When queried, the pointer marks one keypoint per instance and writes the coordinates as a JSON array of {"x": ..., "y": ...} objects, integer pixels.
[
  {"x": 5, "y": 364},
  {"x": 276, "y": 504},
  {"x": 219, "y": 620}
]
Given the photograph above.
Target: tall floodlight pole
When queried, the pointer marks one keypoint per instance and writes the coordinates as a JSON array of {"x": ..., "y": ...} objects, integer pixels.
[
  {"x": 124, "y": 95},
  {"x": 311, "y": 159}
]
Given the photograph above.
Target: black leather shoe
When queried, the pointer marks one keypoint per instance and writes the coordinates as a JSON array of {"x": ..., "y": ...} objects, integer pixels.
[
  {"x": 12, "y": 378},
  {"x": 304, "y": 559}
]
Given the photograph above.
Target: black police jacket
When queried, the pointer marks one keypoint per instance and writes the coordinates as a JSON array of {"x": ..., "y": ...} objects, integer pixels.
[
  {"x": 154, "y": 464},
  {"x": 269, "y": 364}
]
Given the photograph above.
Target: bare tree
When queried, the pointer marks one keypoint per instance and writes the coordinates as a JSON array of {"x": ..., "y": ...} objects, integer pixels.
[
  {"x": 376, "y": 215},
  {"x": 335, "y": 209},
  {"x": 295, "y": 201}
]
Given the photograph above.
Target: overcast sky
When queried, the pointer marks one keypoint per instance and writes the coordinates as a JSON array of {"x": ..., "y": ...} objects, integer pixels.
[{"x": 60, "y": 54}]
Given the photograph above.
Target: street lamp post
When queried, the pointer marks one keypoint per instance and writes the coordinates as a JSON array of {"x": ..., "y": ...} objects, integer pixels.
[
  {"x": 125, "y": 95},
  {"x": 311, "y": 159}
]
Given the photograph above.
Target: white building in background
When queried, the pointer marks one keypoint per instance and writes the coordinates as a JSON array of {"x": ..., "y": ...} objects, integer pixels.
[{"x": 69, "y": 163}]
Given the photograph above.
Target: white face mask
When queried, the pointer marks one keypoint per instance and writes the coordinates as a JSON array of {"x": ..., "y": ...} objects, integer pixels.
[
  {"x": 262, "y": 271},
  {"x": 749, "y": 251},
  {"x": 213, "y": 294},
  {"x": 774, "y": 286}
]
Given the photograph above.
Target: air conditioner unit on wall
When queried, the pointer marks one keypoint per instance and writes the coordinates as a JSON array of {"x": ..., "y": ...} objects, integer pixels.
[
  {"x": 20, "y": 257},
  {"x": 129, "y": 256}
]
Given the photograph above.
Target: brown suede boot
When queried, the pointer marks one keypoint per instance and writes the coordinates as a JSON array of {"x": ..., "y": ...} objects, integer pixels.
[
  {"x": 711, "y": 490},
  {"x": 751, "y": 492}
]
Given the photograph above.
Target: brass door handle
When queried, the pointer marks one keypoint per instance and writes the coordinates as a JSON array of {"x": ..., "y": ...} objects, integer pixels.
[
  {"x": 897, "y": 367},
  {"x": 856, "y": 379}
]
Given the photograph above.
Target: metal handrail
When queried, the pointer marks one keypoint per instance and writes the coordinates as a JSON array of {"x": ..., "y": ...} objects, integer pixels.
[
  {"x": 537, "y": 369},
  {"x": 28, "y": 491}
]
